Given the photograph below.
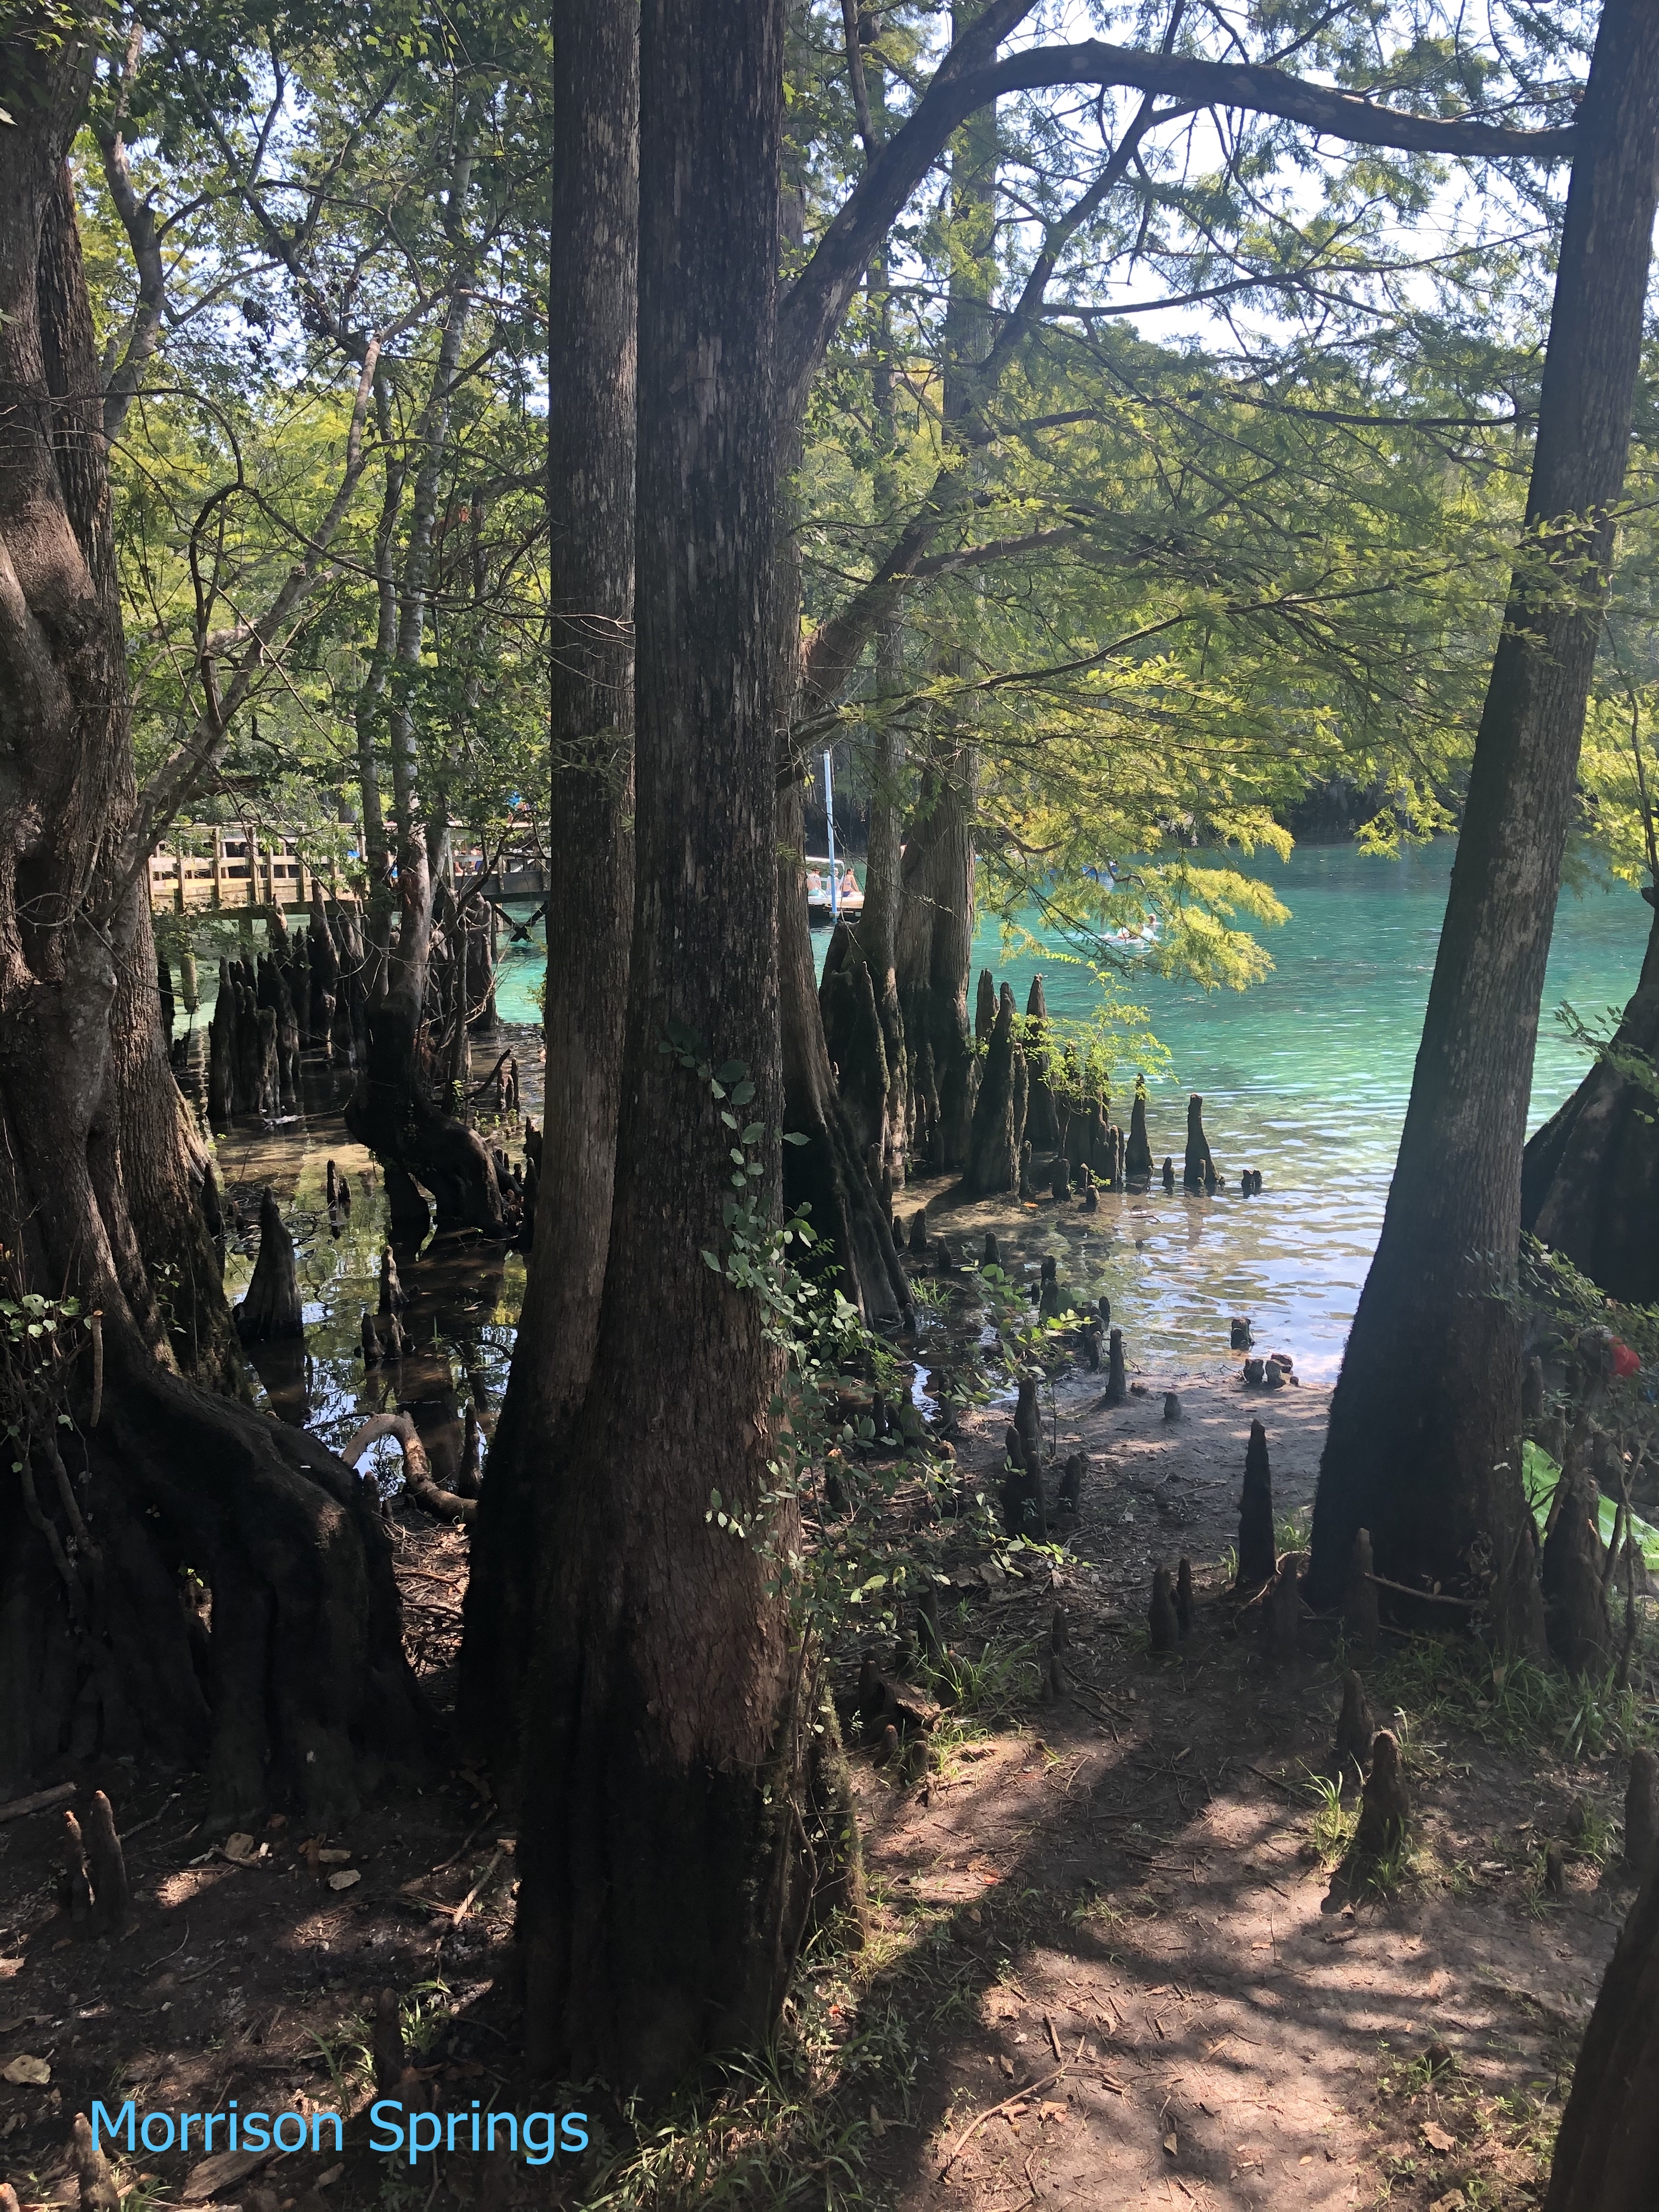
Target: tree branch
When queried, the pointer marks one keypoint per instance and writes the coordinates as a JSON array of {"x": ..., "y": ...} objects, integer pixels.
[{"x": 970, "y": 77}]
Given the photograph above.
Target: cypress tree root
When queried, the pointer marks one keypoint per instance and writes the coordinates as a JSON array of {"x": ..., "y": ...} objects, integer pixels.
[
  {"x": 1171, "y": 1405},
  {"x": 1239, "y": 1334},
  {"x": 1198, "y": 1170},
  {"x": 442, "y": 1504},
  {"x": 1138, "y": 1153},
  {"x": 1070, "y": 1483},
  {"x": 271, "y": 1307},
  {"x": 1041, "y": 1127},
  {"x": 1116, "y": 1391},
  {"x": 1361, "y": 1622},
  {"x": 1355, "y": 1725},
  {"x": 1256, "y": 1557},
  {"x": 1168, "y": 1172},
  {"x": 107, "y": 1867},
  {"x": 97, "y": 2184},
  {"x": 1184, "y": 1597},
  {"x": 1281, "y": 1616},
  {"x": 1163, "y": 1622},
  {"x": 74, "y": 1884},
  {"x": 1642, "y": 1814},
  {"x": 1607, "y": 2151},
  {"x": 1575, "y": 1592},
  {"x": 1385, "y": 1809}
]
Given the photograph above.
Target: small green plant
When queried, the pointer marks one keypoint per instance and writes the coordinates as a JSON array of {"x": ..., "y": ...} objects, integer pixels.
[{"x": 1331, "y": 1830}]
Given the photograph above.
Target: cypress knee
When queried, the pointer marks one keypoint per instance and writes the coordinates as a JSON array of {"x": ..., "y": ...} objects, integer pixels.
[
  {"x": 1162, "y": 1619},
  {"x": 1255, "y": 1515},
  {"x": 1040, "y": 1123},
  {"x": 1355, "y": 1724},
  {"x": 985, "y": 1007},
  {"x": 1385, "y": 1809},
  {"x": 271, "y": 1307},
  {"x": 1281, "y": 1615},
  {"x": 106, "y": 1864},
  {"x": 992, "y": 1162},
  {"x": 1184, "y": 1597},
  {"x": 1198, "y": 1170},
  {"x": 1360, "y": 1619},
  {"x": 1575, "y": 1600},
  {"x": 1138, "y": 1153},
  {"x": 1117, "y": 1379}
]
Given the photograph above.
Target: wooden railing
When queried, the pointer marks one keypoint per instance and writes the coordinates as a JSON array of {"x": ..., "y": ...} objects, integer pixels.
[{"x": 193, "y": 875}]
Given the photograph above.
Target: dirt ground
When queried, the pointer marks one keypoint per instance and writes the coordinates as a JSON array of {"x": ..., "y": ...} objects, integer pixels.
[{"x": 1111, "y": 1958}]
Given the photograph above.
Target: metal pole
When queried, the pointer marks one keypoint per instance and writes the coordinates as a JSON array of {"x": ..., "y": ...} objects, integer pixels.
[{"x": 829, "y": 823}]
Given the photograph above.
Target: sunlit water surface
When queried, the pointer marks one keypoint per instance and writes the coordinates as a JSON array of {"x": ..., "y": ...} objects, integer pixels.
[{"x": 1304, "y": 1076}]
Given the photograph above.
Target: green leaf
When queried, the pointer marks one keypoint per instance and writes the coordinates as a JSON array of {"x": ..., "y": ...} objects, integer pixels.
[
  {"x": 710, "y": 1260},
  {"x": 791, "y": 1136},
  {"x": 733, "y": 1071},
  {"x": 754, "y": 1133},
  {"x": 742, "y": 1093}
]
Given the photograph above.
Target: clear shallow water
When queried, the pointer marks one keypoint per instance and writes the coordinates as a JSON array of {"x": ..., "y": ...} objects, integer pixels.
[{"x": 1306, "y": 1076}]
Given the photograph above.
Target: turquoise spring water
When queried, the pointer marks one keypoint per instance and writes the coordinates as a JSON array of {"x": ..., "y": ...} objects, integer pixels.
[{"x": 1304, "y": 1076}]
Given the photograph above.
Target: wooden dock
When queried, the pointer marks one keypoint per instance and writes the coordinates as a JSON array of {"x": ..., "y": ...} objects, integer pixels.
[{"x": 211, "y": 873}]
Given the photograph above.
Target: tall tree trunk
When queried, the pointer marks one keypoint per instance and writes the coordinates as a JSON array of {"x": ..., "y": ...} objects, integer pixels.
[
  {"x": 660, "y": 1903},
  {"x": 392, "y": 1110},
  {"x": 1427, "y": 1411},
  {"x": 1607, "y": 2151},
  {"x": 935, "y": 946},
  {"x": 590, "y": 906},
  {"x": 835, "y": 1169},
  {"x": 1589, "y": 1178},
  {"x": 127, "y": 1476}
]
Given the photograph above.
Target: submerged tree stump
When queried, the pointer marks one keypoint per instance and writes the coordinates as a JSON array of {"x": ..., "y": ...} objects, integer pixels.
[
  {"x": 271, "y": 1307},
  {"x": 1168, "y": 1172},
  {"x": 1198, "y": 1170},
  {"x": 1607, "y": 2155},
  {"x": 1138, "y": 1152}
]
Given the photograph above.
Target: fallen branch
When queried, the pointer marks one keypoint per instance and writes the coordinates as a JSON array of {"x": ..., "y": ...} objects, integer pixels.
[
  {"x": 19, "y": 1809},
  {"x": 442, "y": 1504},
  {"x": 1427, "y": 1597},
  {"x": 973, "y": 2127}
]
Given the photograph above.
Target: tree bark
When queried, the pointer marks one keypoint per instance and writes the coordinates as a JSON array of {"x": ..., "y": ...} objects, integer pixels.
[
  {"x": 1427, "y": 1409},
  {"x": 590, "y": 907},
  {"x": 1607, "y": 2151},
  {"x": 1590, "y": 1177},
  {"x": 660, "y": 1900},
  {"x": 392, "y": 1110},
  {"x": 300, "y": 1682}
]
